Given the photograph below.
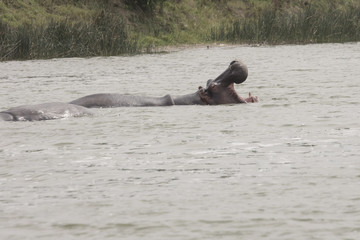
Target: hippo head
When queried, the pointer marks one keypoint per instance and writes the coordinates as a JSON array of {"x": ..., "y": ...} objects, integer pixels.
[{"x": 221, "y": 90}]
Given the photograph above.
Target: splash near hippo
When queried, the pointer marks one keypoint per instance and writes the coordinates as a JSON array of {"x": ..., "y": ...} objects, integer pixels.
[{"x": 218, "y": 91}]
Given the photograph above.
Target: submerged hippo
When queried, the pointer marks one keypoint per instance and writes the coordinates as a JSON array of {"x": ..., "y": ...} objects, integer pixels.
[
  {"x": 218, "y": 91},
  {"x": 103, "y": 100},
  {"x": 45, "y": 111}
]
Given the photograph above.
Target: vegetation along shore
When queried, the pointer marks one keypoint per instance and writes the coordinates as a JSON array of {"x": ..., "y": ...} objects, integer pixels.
[{"x": 41, "y": 29}]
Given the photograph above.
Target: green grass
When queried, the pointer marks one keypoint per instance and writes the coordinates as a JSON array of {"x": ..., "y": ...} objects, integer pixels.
[
  {"x": 67, "y": 28},
  {"x": 105, "y": 35},
  {"x": 309, "y": 24}
]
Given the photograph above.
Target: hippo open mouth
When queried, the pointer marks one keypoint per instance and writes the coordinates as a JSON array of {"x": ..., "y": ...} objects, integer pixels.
[{"x": 222, "y": 91}]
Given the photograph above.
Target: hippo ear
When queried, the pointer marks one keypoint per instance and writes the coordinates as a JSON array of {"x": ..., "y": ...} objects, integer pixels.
[{"x": 208, "y": 82}]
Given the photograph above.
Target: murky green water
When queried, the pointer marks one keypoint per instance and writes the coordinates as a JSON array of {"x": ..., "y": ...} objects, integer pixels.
[{"x": 287, "y": 167}]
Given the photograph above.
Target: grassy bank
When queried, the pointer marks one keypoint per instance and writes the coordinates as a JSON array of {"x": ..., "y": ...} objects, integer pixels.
[
  {"x": 309, "y": 23},
  {"x": 105, "y": 35},
  {"x": 63, "y": 28}
]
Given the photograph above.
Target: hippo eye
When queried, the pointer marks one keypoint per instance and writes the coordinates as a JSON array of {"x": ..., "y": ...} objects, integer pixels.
[{"x": 212, "y": 85}]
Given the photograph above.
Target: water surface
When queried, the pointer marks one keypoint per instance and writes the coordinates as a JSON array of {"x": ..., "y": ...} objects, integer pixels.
[{"x": 284, "y": 168}]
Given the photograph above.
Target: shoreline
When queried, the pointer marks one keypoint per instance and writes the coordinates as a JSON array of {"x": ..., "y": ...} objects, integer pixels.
[{"x": 177, "y": 48}]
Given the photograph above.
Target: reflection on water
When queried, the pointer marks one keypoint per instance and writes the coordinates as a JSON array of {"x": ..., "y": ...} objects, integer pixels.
[{"x": 284, "y": 168}]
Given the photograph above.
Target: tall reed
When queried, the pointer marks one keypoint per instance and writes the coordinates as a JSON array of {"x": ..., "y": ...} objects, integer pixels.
[
  {"x": 106, "y": 35},
  {"x": 298, "y": 25}
]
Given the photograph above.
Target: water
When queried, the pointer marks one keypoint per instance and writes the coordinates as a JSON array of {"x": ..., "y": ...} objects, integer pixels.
[{"x": 284, "y": 168}]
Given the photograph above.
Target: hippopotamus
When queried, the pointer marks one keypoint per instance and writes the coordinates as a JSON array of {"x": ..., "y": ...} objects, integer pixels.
[
  {"x": 218, "y": 91},
  {"x": 44, "y": 111}
]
